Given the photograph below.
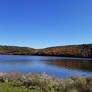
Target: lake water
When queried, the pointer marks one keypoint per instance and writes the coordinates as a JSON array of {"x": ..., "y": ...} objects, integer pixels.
[{"x": 55, "y": 66}]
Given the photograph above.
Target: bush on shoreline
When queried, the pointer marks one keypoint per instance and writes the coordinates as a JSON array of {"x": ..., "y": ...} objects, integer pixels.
[{"x": 47, "y": 83}]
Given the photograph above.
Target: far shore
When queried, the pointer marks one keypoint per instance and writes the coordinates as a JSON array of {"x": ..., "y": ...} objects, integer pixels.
[{"x": 61, "y": 57}]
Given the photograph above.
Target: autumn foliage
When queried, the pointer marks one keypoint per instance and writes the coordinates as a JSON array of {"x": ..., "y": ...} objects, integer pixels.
[{"x": 84, "y": 50}]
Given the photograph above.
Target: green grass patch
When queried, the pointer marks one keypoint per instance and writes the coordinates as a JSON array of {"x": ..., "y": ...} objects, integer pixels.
[{"x": 7, "y": 87}]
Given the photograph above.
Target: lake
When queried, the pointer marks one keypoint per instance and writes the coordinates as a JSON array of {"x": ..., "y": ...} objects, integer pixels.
[{"x": 55, "y": 66}]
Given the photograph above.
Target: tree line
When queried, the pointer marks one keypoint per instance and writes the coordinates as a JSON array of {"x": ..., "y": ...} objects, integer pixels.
[{"x": 84, "y": 50}]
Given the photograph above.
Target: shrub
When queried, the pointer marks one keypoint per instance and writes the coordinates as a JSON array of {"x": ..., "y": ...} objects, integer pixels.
[
  {"x": 13, "y": 76},
  {"x": 48, "y": 83}
]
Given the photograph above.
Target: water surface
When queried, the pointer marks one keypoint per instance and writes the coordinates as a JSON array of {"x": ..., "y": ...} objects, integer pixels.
[{"x": 55, "y": 66}]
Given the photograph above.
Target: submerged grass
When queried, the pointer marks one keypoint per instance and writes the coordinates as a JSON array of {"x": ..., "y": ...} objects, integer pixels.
[{"x": 16, "y": 82}]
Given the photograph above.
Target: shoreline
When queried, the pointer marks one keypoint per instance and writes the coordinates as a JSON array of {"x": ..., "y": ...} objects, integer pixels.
[
  {"x": 75, "y": 51},
  {"x": 61, "y": 57}
]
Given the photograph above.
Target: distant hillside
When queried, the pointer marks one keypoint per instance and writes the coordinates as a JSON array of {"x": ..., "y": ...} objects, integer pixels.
[
  {"x": 15, "y": 50},
  {"x": 84, "y": 50}
]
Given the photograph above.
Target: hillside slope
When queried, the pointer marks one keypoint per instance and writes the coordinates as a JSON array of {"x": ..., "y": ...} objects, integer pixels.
[
  {"x": 84, "y": 50},
  {"x": 15, "y": 50}
]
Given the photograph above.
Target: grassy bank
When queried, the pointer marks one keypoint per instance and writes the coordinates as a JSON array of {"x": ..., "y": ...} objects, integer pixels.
[{"x": 16, "y": 82}]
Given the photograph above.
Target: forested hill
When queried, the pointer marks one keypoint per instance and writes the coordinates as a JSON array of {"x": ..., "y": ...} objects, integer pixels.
[
  {"x": 84, "y": 50},
  {"x": 15, "y": 50}
]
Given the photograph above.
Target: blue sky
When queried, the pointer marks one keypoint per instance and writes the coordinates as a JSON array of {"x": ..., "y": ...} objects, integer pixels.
[{"x": 45, "y": 23}]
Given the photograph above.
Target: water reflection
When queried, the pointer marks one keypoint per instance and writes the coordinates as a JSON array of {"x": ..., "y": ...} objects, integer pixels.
[
  {"x": 55, "y": 66},
  {"x": 85, "y": 65}
]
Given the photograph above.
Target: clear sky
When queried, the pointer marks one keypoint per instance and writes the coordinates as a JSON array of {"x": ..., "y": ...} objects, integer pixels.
[{"x": 45, "y": 23}]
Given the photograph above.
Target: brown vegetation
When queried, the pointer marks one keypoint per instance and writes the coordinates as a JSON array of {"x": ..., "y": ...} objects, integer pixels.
[
  {"x": 15, "y": 50},
  {"x": 69, "y": 51},
  {"x": 84, "y": 50}
]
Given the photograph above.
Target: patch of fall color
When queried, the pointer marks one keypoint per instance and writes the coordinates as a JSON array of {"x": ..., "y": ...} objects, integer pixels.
[{"x": 84, "y": 50}]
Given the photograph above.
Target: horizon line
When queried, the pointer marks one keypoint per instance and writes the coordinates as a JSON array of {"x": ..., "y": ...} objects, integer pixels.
[{"x": 46, "y": 47}]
